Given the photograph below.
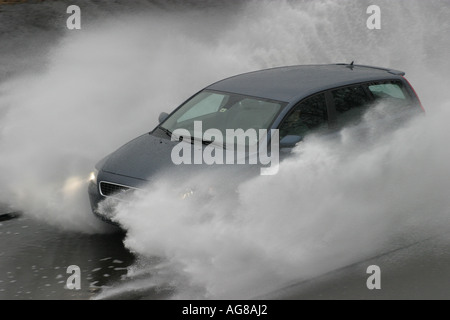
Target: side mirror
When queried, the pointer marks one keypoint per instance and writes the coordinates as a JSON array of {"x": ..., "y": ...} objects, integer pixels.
[
  {"x": 163, "y": 116},
  {"x": 290, "y": 141}
]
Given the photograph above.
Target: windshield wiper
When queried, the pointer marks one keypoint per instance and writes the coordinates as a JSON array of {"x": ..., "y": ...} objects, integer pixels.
[
  {"x": 208, "y": 142},
  {"x": 170, "y": 133},
  {"x": 166, "y": 131},
  {"x": 205, "y": 142}
]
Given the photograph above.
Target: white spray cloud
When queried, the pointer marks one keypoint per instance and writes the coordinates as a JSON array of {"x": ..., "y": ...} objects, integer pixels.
[
  {"x": 101, "y": 88},
  {"x": 331, "y": 204},
  {"x": 108, "y": 83}
]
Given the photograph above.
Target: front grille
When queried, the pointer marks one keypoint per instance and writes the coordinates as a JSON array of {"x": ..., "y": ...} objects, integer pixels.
[{"x": 109, "y": 189}]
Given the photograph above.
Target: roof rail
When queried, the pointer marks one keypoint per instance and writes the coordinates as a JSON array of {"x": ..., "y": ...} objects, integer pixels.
[{"x": 391, "y": 71}]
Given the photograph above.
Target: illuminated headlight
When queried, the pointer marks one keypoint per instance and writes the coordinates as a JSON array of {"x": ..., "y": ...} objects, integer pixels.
[
  {"x": 93, "y": 176},
  {"x": 186, "y": 194}
]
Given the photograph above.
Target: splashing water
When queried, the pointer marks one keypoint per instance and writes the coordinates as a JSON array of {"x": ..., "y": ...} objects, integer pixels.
[{"x": 331, "y": 204}]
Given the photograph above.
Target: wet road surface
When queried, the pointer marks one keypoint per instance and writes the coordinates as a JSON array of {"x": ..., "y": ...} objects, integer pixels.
[
  {"x": 35, "y": 257},
  {"x": 419, "y": 271}
]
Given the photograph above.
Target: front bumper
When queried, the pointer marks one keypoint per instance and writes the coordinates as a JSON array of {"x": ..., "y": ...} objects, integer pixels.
[
  {"x": 107, "y": 204},
  {"x": 95, "y": 198}
]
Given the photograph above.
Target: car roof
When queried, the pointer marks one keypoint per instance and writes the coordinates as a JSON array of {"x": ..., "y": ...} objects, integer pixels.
[{"x": 290, "y": 84}]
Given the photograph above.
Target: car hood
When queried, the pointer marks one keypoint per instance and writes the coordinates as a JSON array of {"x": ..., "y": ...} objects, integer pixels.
[
  {"x": 148, "y": 156},
  {"x": 141, "y": 158}
]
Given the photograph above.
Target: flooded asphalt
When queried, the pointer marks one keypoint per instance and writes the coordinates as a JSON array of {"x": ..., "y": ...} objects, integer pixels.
[
  {"x": 35, "y": 258},
  {"x": 419, "y": 271}
]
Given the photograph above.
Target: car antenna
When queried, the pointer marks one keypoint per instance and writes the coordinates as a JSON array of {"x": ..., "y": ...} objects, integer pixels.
[{"x": 351, "y": 65}]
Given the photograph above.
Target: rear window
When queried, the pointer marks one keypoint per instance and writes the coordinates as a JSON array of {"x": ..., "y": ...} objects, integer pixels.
[
  {"x": 387, "y": 90},
  {"x": 391, "y": 99}
]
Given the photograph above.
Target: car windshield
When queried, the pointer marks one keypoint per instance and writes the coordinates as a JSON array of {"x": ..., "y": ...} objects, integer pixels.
[{"x": 223, "y": 111}]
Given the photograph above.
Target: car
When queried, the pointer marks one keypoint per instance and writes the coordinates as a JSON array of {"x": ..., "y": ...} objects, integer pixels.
[{"x": 283, "y": 104}]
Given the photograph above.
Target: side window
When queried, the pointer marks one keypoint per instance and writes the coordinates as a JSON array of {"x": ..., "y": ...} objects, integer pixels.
[
  {"x": 350, "y": 103},
  {"x": 310, "y": 114}
]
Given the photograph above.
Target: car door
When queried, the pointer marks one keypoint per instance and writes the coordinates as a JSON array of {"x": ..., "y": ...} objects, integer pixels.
[
  {"x": 347, "y": 105},
  {"x": 308, "y": 116},
  {"x": 372, "y": 107}
]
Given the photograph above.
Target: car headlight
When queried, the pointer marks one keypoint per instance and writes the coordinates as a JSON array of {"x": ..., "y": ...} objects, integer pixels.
[
  {"x": 186, "y": 194},
  {"x": 93, "y": 176},
  {"x": 208, "y": 192}
]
